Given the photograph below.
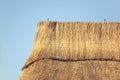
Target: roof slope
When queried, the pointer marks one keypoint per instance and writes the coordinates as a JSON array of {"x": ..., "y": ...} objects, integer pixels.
[{"x": 76, "y": 41}]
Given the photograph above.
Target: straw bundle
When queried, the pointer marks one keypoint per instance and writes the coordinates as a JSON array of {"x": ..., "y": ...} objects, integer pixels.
[{"x": 74, "y": 51}]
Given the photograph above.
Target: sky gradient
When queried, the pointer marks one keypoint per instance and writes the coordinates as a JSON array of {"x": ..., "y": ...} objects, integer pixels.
[{"x": 18, "y": 21}]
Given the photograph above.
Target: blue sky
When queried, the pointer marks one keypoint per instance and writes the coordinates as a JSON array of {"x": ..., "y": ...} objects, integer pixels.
[{"x": 18, "y": 19}]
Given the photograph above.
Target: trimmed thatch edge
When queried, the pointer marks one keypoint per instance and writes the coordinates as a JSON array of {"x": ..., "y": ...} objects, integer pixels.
[{"x": 64, "y": 60}]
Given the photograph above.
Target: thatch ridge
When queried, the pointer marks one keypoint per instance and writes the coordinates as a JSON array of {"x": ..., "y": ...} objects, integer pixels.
[{"x": 76, "y": 41}]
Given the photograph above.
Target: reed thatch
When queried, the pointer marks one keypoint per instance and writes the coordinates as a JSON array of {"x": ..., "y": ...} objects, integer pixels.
[{"x": 74, "y": 51}]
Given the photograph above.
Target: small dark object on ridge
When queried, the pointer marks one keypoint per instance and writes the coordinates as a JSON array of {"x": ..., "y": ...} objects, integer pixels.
[
  {"x": 104, "y": 20},
  {"x": 48, "y": 19}
]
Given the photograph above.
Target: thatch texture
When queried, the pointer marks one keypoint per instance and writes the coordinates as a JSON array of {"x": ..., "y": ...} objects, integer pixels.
[{"x": 74, "y": 51}]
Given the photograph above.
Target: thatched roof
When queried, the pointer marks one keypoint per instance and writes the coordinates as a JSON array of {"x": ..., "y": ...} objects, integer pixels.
[{"x": 74, "y": 51}]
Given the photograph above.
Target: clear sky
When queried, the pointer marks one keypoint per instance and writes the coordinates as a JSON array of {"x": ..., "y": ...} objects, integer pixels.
[{"x": 18, "y": 19}]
